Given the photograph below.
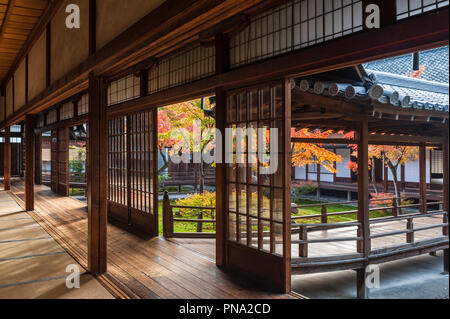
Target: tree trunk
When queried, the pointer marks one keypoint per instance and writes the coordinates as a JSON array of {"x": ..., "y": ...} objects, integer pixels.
[
  {"x": 395, "y": 182},
  {"x": 374, "y": 182}
]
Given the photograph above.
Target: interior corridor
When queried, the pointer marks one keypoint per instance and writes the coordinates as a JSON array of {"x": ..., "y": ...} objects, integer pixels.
[{"x": 32, "y": 264}]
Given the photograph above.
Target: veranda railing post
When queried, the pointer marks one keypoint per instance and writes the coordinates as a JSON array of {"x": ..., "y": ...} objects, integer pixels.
[
  {"x": 200, "y": 224},
  {"x": 324, "y": 217},
  {"x": 423, "y": 178},
  {"x": 166, "y": 210},
  {"x": 410, "y": 227},
  {"x": 395, "y": 209},
  {"x": 303, "y": 247}
]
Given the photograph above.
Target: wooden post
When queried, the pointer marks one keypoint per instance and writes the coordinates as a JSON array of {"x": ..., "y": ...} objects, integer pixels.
[
  {"x": 222, "y": 65},
  {"x": 221, "y": 197},
  {"x": 324, "y": 217},
  {"x": 445, "y": 177},
  {"x": 29, "y": 162},
  {"x": 395, "y": 209},
  {"x": 403, "y": 177},
  {"x": 410, "y": 226},
  {"x": 363, "y": 246},
  {"x": 97, "y": 176},
  {"x": 445, "y": 193},
  {"x": 423, "y": 178},
  {"x": 38, "y": 159},
  {"x": 287, "y": 162},
  {"x": 7, "y": 160},
  {"x": 361, "y": 289},
  {"x": 167, "y": 214},
  {"x": 363, "y": 188},
  {"x": 446, "y": 257},
  {"x": 200, "y": 224},
  {"x": 303, "y": 248}
]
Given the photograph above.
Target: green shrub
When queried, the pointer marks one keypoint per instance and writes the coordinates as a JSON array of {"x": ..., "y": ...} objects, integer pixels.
[{"x": 300, "y": 189}]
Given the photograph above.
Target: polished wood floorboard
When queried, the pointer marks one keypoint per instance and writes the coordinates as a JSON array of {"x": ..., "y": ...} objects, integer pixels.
[
  {"x": 32, "y": 264},
  {"x": 137, "y": 267}
]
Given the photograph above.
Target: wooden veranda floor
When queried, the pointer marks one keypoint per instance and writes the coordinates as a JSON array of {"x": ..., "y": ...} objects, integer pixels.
[{"x": 139, "y": 268}]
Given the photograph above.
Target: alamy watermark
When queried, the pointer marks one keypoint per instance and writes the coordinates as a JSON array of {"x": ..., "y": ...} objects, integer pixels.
[
  {"x": 73, "y": 278},
  {"x": 259, "y": 145},
  {"x": 372, "y": 277},
  {"x": 372, "y": 19}
]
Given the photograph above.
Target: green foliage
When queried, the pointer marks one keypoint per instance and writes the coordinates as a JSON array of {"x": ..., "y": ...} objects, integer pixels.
[
  {"x": 206, "y": 199},
  {"x": 299, "y": 190},
  {"x": 163, "y": 177},
  {"x": 76, "y": 164}
]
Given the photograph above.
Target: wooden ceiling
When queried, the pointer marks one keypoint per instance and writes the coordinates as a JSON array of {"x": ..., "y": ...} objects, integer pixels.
[{"x": 17, "y": 20}]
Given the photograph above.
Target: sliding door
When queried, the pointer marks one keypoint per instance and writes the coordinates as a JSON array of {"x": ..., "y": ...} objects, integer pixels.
[
  {"x": 133, "y": 193},
  {"x": 258, "y": 183}
]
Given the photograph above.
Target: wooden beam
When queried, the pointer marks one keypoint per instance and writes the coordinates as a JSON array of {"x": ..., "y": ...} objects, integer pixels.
[
  {"x": 70, "y": 122},
  {"x": 38, "y": 29},
  {"x": 97, "y": 175},
  {"x": 48, "y": 55},
  {"x": 323, "y": 140},
  {"x": 423, "y": 177},
  {"x": 417, "y": 33},
  {"x": 331, "y": 104},
  {"x": 92, "y": 26},
  {"x": 26, "y": 79},
  {"x": 29, "y": 162},
  {"x": 7, "y": 159},
  {"x": 378, "y": 139},
  {"x": 398, "y": 110}
]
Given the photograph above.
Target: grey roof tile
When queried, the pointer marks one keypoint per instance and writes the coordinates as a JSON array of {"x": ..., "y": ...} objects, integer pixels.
[{"x": 436, "y": 62}]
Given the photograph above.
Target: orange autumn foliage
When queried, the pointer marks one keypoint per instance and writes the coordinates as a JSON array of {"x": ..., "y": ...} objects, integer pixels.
[{"x": 307, "y": 154}]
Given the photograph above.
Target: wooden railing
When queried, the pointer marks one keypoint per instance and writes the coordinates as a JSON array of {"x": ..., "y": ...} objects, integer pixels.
[
  {"x": 170, "y": 221},
  {"x": 77, "y": 180},
  {"x": 303, "y": 229}
]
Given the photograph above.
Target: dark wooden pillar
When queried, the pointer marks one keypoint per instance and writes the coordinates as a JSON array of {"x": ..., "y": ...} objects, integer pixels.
[
  {"x": 38, "y": 159},
  {"x": 222, "y": 65},
  {"x": 361, "y": 289},
  {"x": 445, "y": 193},
  {"x": 7, "y": 160},
  {"x": 287, "y": 162},
  {"x": 423, "y": 178},
  {"x": 403, "y": 177},
  {"x": 29, "y": 162},
  {"x": 97, "y": 175},
  {"x": 220, "y": 182},
  {"x": 363, "y": 203}
]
